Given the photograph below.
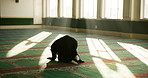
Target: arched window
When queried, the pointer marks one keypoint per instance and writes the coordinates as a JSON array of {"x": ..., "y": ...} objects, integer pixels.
[
  {"x": 146, "y": 9},
  {"x": 66, "y": 8},
  {"x": 88, "y": 8},
  {"x": 113, "y": 9},
  {"x": 52, "y": 8}
]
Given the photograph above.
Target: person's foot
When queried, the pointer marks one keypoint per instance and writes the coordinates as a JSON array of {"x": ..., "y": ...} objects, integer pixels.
[
  {"x": 74, "y": 62},
  {"x": 80, "y": 61},
  {"x": 77, "y": 61},
  {"x": 50, "y": 58}
]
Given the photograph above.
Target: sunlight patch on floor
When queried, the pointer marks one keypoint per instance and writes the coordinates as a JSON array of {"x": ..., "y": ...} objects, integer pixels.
[
  {"x": 98, "y": 47},
  {"x": 47, "y": 53},
  {"x": 138, "y": 51},
  {"x": 122, "y": 71},
  {"x": 27, "y": 44}
]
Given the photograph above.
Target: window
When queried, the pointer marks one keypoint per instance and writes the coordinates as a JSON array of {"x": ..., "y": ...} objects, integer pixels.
[
  {"x": 113, "y": 9},
  {"x": 88, "y": 8},
  {"x": 66, "y": 8},
  {"x": 52, "y": 8},
  {"x": 146, "y": 9}
]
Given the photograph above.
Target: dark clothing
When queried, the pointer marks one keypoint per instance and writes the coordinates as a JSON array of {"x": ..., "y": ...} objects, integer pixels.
[{"x": 65, "y": 47}]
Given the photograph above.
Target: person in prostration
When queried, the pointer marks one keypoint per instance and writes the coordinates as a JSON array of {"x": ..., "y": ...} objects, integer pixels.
[{"x": 66, "y": 49}]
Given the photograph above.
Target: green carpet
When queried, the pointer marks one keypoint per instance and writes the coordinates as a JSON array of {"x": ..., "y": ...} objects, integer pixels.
[{"x": 115, "y": 57}]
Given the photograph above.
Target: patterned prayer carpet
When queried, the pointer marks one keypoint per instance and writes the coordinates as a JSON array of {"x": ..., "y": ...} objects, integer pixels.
[{"x": 23, "y": 54}]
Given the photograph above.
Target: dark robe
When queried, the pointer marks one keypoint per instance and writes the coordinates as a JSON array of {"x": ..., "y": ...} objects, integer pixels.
[{"x": 66, "y": 48}]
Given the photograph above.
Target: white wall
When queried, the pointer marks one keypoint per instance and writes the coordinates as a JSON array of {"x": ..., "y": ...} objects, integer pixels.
[{"x": 11, "y": 9}]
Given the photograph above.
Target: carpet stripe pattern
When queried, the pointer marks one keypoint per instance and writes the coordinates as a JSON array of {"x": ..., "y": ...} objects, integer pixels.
[{"x": 23, "y": 54}]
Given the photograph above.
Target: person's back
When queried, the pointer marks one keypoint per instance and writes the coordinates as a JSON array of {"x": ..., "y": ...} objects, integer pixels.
[{"x": 65, "y": 47}]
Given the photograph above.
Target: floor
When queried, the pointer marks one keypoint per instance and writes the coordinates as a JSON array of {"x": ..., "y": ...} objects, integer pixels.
[{"x": 23, "y": 54}]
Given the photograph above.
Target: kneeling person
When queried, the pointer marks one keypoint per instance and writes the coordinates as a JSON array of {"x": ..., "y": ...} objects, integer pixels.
[{"x": 65, "y": 48}]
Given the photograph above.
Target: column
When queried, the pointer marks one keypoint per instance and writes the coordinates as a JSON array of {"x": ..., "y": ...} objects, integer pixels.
[
  {"x": 99, "y": 9},
  {"x": 135, "y": 9},
  {"x": 59, "y": 8},
  {"x": 76, "y": 9},
  {"x": 126, "y": 9},
  {"x": 44, "y": 8}
]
